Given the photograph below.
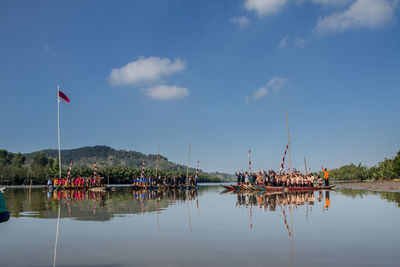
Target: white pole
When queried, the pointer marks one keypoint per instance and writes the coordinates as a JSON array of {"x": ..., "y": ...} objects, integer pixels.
[
  {"x": 287, "y": 126},
  {"x": 58, "y": 123},
  {"x": 55, "y": 245},
  {"x": 158, "y": 155},
  {"x": 187, "y": 168}
]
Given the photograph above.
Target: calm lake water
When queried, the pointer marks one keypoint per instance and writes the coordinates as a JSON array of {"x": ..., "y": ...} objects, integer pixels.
[{"x": 201, "y": 228}]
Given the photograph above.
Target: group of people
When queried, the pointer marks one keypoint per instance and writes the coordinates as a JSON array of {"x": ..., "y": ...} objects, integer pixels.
[
  {"x": 285, "y": 179},
  {"x": 77, "y": 183},
  {"x": 171, "y": 181}
]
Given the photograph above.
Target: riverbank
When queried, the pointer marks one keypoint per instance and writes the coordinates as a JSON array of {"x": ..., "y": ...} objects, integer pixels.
[{"x": 386, "y": 186}]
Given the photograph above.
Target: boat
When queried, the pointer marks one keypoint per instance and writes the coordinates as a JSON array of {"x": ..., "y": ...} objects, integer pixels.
[
  {"x": 239, "y": 188},
  {"x": 98, "y": 189},
  {"x": 81, "y": 188},
  {"x": 162, "y": 187}
]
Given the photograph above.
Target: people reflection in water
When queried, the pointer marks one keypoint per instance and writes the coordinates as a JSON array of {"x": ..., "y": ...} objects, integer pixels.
[
  {"x": 4, "y": 215},
  {"x": 271, "y": 201},
  {"x": 327, "y": 201},
  {"x": 165, "y": 194},
  {"x": 74, "y": 195},
  {"x": 78, "y": 195},
  {"x": 320, "y": 196}
]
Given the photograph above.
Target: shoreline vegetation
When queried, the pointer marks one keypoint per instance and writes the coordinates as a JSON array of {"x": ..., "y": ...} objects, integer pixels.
[
  {"x": 119, "y": 166},
  {"x": 115, "y": 166},
  {"x": 388, "y": 169}
]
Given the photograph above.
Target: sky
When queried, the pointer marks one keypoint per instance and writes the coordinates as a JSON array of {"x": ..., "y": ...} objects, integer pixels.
[{"x": 220, "y": 75}]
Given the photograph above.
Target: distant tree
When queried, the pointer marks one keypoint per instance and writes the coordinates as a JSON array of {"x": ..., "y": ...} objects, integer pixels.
[
  {"x": 5, "y": 157},
  {"x": 18, "y": 160},
  {"x": 40, "y": 159}
]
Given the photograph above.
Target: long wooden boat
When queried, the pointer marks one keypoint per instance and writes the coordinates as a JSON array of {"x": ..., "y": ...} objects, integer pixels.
[
  {"x": 162, "y": 187},
  {"x": 80, "y": 188},
  {"x": 239, "y": 188}
]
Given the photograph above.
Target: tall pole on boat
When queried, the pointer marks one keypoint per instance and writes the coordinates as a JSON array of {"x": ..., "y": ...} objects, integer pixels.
[
  {"x": 58, "y": 124},
  {"x": 305, "y": 165},
  {"x": 187, "y": 168},
  {"x": 249, "y": 162},
  {"x": 287, "y": 126},
  {"x": 158, "y": 155}
]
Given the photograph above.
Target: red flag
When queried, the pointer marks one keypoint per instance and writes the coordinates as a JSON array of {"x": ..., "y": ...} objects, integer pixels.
[{"x": 63, "y": 96}]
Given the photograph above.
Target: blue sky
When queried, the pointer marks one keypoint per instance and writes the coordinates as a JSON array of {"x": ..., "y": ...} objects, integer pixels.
[{"x": 217, "y": 74}]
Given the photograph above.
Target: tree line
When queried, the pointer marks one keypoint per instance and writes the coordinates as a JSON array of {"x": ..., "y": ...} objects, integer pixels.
[
  {"x": 386, "y": 169},
  {"x": 16, "y": 170}
]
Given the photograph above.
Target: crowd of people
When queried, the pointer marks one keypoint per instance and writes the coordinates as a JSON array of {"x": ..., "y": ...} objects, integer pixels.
[
  {"x": 169, "y": 181},
  {"x": 285, "y": 179},
  {"x": 77, "y": 183},
  {"x": 138, "y": 181}
]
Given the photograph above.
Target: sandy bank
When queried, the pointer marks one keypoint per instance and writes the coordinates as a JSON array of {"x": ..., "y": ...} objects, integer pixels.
[{"x": 387, "y": 186}]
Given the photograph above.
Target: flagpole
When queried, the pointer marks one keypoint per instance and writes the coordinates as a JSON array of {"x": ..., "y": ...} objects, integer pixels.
[
  {"x": 305, "y": 165},
  {"x": 249, "y": 163},
  {"x": 58, "y": 124},
  {"x": 287, "y": 126},
  {"x": 158, "y": 155},
  {"x": 187, "y": 168}
]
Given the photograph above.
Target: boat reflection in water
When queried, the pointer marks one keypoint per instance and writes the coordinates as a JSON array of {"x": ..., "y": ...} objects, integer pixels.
[
  {"x": 94, "y": 206},
  {"x": 287, "y": 203},
  {"x": 270, "y": 201}
]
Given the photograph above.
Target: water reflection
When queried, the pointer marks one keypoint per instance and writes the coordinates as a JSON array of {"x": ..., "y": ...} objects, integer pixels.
[
  {"x": 270, "y": 201},
  {"x": 232, "y": 230},
  {"x": 94, "y": 206},
  {"x": 287, "y": 203},
  {"x": 389, "y": 196}
]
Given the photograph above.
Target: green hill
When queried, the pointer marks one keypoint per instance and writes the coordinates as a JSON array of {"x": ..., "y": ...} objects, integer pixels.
[{"x": 105, "y": 156}]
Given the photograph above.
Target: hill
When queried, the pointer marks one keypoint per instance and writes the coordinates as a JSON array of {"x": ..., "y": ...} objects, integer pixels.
[{"x": 106, "y": 156}]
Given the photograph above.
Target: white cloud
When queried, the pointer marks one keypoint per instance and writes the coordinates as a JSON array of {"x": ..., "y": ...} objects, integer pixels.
[
  {"x": 284, "y": 42},
  {"x": 242, "y": 21},
  {"x": 165, "y": 92},
  {"x": 149, "y": 69},
  {"x": 265, "y": 7},
  {"x": 277, "y": 83},
  {"x": 297, "y": 42},
  {"x": 361, "y": 13},
  {"x": 300, "y": 42},
  {"x": 274, "y": 84},
  {"x": 263, "y": 91},
  {"x": 332, "y": 2}
]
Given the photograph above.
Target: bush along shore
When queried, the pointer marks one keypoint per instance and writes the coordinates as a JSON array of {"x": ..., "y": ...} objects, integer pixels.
[
  {"x": 388, "y": 169},
  {"x": 14, "y": 170}
]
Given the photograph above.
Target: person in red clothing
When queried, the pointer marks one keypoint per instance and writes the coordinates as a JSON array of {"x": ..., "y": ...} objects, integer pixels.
[{"x": 326, "y": 174}]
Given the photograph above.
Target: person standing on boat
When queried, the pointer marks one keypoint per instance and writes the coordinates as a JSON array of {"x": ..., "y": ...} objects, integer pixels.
[
  {"x": 49, "y": 182},
  {"x": 326, "y": 174},
  {"x": 246, "y": 178},
  {"x": 253, "y": 178},
  {"x": 239, "y": 178},
  {"x": 264, "y": 178}
]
